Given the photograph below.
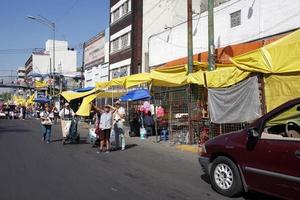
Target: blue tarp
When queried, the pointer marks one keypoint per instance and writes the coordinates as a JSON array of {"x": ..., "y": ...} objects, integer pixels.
[
  {"x": 84, "y": 89},
  {"x": 135, "y": 95},
  {"x": 42, "y": 100}
]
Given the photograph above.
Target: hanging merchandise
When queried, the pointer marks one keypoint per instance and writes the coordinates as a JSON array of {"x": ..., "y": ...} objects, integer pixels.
[
  {"x": 146, "y": 106},
  {"x": 160, "y": 112}
]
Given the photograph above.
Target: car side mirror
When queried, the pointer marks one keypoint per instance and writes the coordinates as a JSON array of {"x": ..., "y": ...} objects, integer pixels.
[{"x": 253, "y": 133}]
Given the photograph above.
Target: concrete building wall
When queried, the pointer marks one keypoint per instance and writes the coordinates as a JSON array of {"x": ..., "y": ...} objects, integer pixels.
[
  {"x": 65, "y": 59},
  {"x": 158, "y": 15},
  {"x": 40, "y": 64},
  {"x": 100, "y": 70},
  {"x": 258, "y": 19}
]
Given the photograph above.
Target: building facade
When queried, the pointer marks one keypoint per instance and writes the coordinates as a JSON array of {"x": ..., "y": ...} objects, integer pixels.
[
  {"x": 96, "y": 59},
  {"x": 21, "y": 75},
  {"x": 125, "y": 55},
  {"x": 39, "y": 66},
  {"x": 235, "y": 22}
]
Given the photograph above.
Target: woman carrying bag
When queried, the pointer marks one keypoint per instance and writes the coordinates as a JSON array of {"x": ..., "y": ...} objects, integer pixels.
[{"x": 45, "y": 117}]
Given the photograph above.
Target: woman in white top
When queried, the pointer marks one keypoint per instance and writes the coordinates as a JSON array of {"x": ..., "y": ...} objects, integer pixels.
[
  {"x": 105, "y": 125},
  {"x": 46, "y": 116}
]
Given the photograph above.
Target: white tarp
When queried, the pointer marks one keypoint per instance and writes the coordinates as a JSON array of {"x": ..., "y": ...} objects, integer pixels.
[{"x": 239, "y": 103}]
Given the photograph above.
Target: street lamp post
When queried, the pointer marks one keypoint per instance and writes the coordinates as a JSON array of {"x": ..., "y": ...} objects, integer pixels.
[{"x": 51, "y": 25}]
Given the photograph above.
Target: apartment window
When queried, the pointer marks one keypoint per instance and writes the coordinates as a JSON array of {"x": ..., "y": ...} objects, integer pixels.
[
  {"x": 124, "y": 41},
  {"x": 121, "y": 42},
  {"x": 121, "y": 11},
  {"x": 115, "y": 45},
  {"x": 120, "y": 72},
  {"x": 125, "y": 8},
  {"x": 123, "y": 72},
  {"x": 235, "y": 18},
  {"x": 116, "y": 14}
]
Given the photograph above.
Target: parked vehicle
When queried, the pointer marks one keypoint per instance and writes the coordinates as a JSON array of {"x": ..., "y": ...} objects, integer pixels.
[{"x": 264, "y": 157}]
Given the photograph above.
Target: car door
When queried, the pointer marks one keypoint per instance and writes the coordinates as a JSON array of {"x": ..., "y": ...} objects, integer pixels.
[{"x": 272, "y": 162}]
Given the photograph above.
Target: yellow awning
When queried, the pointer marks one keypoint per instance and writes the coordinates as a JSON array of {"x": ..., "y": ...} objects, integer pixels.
[
  {"x": 225, "y": 77},
  {"x": 85, "y": 107},
  {"x": 137, "y": 79},
  {"x": 196, "y": 78},
  {"x": 71, "y": 95},
  {"x": 102, "y": 85},
  {"x": 281, "y": 56},
  {"x": 290, "y": 115},
  {"x": 162, "y": 79},
  {"x": 118, "y": 82},
  {"x": 40, "y": 84},
  {"x": 280, "y": 89}
]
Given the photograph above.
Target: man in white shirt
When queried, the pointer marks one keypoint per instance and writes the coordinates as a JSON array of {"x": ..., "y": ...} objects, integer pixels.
[
  {"x": 118, "y": 124},
  {"x": 66, "y": 112}
]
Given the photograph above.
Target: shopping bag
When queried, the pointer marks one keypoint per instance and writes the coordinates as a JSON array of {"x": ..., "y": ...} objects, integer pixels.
[
  {"x": 65, "y": 127},
  {"x": 112, "y": 136}
]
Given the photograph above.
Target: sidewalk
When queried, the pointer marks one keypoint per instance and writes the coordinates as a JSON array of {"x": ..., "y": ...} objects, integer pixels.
[{"x": 149, "y": 142}]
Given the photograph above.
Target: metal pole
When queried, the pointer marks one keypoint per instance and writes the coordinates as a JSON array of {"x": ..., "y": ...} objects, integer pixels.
[
  {"x": 190, "y": 36},
  {"x": 50, "y": 88},
  {"x": 82, "y": 66},
  {"x": 53, "y": 24},
  {"x": 190, "y": 64},
  {"x": 211, "y": 45}
]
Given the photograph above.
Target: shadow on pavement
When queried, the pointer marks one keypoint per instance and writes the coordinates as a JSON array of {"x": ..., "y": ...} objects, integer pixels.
[{"x": 129, "y": 146}]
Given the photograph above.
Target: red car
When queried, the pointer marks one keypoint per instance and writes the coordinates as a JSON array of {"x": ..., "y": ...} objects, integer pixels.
[{"x": 264, "y": 157}]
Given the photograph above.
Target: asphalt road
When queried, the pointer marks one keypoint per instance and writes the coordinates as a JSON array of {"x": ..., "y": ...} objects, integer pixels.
[{"x": 33, "y": 170}]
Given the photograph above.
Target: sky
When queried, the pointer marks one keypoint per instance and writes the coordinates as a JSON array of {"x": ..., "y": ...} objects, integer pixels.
[{"x": 76, "y": 21}]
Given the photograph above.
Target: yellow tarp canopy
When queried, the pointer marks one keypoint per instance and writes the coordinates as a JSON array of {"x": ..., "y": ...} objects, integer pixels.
[
  {"x": 280, "y": 89},
  {"x": 177, "y": 76},
  {"x": 290, "y": 115},
  {"x": 71, "y": 95},
  {"x": 225, "y": 77},
  {"x": 196, "y": 78},
  {"x": 85, "y": 107},
  {"x": 137, "y": 79},
  {"x": 30, "y": 100},
  {"x": 281, "y": 56},
  {"x": 40, "y": 84},
  {"x": 173, "y": 78}
]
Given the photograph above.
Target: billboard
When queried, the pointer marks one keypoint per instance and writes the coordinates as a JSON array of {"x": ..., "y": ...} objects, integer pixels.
[{"x": 94, "y": 50}]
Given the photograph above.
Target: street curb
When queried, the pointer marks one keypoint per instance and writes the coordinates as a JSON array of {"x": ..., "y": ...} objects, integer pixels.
[{"x": 188, "y": 148}]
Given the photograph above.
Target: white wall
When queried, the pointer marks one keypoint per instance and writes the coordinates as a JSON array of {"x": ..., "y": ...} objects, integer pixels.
[
  {"x": 65, "y": 60},
  {"x": 40, "y": 64},
  {"x": 159, "y": 14},
  {"x": 96, "y": 74},
  {"x": 269, "y": 17}
]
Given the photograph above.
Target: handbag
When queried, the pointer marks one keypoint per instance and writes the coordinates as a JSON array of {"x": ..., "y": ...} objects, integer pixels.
[{"x": 97, "y": 129}]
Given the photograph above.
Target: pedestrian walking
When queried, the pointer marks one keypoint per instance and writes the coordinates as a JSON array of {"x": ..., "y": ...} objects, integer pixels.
[
  {"x": 55, "y": 114},
  {"x": 66, "y": 112},
  {"x": 118, "y": 125},
  {"x": 45, "y": 117}
]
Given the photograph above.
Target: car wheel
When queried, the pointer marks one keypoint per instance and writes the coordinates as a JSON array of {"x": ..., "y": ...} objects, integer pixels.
[{"x": 225, "y": 177}]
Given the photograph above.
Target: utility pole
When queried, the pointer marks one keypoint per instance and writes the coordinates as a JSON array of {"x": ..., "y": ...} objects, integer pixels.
[
  {"x": 190, "y": 64},
  {"x": 190, "y": 35},
  {"x": 211, "y": 44},
  {"x": 82, "y": 66}
]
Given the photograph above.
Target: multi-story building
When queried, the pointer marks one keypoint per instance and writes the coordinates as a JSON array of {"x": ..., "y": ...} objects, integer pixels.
[
  {"x": 247, "y": 24},
  {"x": 40, "y": 62},
  {"x": 96, "y": 58},
  {"x": 21, "y": 75},
  {"x": 125, "y": 54}
]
